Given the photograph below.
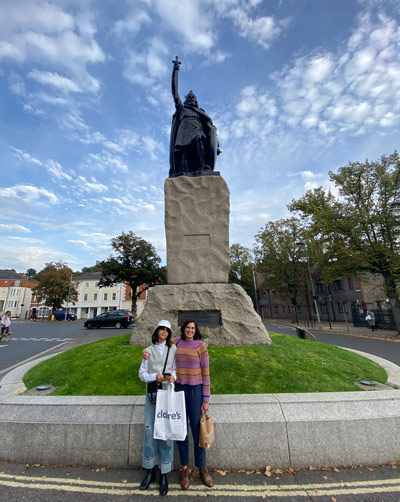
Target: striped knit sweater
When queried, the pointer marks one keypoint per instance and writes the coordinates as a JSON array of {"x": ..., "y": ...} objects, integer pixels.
[{"x": 192, "y": 365}]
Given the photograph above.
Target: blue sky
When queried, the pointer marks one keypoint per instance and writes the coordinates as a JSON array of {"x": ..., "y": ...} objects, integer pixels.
[{"x": 295, "y": 87}]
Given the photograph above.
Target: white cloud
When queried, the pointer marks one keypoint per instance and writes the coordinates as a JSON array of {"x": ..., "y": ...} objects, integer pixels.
[
  {"x": 13, "y": 227},
  {"x": 53, "y": 79},
  {"x": 82, "y": 244},
  {"x": 92, "y": 186},
  {"x": 29, "y": 194}
]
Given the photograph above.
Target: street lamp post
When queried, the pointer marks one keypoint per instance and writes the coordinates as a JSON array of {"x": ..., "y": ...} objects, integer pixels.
[{"x": 301, "y": 243}]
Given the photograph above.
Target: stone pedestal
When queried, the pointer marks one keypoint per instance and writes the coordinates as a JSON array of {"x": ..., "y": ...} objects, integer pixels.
[
  {"x": 197, "y": 229},
  {"x": 240, "y": 324}
]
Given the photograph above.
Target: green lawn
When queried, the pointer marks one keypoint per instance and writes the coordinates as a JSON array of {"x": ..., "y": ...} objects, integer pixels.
[{"x": 110, "y": 368}]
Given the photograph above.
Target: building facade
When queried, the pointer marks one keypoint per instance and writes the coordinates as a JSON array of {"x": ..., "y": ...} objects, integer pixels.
[{"x": 16, "y": 293}]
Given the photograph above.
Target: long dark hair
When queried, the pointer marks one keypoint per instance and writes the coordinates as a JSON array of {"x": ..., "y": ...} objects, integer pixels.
[
  {"x": 154, "y": 338},
  {"x": 197, "y": 335}
]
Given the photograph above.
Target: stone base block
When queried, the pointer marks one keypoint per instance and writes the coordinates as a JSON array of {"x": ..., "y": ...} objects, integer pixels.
[
  {"x": 197, "y": 229},
  {"x": 240, "y": 324}
]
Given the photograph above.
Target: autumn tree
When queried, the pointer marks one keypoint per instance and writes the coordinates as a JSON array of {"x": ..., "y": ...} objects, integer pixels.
[
  {"x": 135, "y": 262},
  {"x": 241, "y": 269},
  {"x": 357, "y": 223},
  {"x": 56, "y": 285},
  {"x": 280, "y": 258}
]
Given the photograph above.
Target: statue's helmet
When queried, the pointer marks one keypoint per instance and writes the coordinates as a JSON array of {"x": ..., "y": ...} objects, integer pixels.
[{"x": 190, "y": 99}]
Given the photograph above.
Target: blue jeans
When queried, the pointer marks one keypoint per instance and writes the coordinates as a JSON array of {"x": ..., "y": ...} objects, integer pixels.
[
  {"x": 155, "y": 451},
  {"x": 193, "y": 401}
]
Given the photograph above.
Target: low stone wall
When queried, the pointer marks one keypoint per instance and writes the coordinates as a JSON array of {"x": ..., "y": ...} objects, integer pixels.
[{"x": 280, "y": 430}]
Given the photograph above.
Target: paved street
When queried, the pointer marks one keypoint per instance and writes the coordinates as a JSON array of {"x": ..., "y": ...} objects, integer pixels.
[
  {"x": 30, "y": 339},
  {"x": 72, "y": 484},
  {"x": 381, "y": 348}
]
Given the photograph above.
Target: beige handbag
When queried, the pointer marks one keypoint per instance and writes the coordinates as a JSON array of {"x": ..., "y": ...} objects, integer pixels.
[{"x": 207, "y": 431}]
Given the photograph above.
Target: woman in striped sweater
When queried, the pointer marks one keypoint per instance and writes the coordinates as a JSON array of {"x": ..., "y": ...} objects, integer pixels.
[{"x": 193, "y": 377}]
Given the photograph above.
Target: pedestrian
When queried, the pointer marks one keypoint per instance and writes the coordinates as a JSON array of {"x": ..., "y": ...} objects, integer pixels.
[
  {"x": 5, "y": 326},
  {"x": 192, "y": 377},
  {"x": 34, "y": 314},
  {"x": 370, "y": 318},
  {"x": 158, "y": 367}
]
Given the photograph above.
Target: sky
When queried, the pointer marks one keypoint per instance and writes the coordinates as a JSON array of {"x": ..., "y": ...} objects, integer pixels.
[{"x": 296, "y": 88}]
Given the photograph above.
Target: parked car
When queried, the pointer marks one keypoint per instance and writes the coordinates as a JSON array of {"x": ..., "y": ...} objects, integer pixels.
[
  {"x": 59, "y": 315},
  {"x": 112, "y": 318}
]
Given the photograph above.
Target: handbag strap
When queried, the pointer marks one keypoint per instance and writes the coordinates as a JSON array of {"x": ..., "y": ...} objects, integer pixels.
[{"x": 166, "y": 359}]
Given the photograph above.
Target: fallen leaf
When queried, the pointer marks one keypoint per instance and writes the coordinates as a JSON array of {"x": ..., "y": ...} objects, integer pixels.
[
  {"x": 268, "y": 471},
  {"x": 311, "y": 468},
  {"x": 316, "y": 491},
  {"x": 124, "y": 480},
  {"x": 43, "y": 477},
  {"x": 336, "y": 469},
  {"x": 221, "y": 472},
  {"x": 277, "y": 478},
  {"x": 234, "y": 483},
  {"x": 325, "y": 468},
  {"x": 250, "y": 472},
  {"x": 325, "y": 477},
  {"x": 333, "y": 499}
]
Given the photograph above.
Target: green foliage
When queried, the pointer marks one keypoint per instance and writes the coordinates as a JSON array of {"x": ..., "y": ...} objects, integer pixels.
[
  {"x": 55, "y": 285},
  {"x": 136, "y": 262},
  {"x": 280, "y": 258},
  {"x": 241, "y": 269},
  {"x": 110, "y": 367},
  {"x": 357, "y": 228}
]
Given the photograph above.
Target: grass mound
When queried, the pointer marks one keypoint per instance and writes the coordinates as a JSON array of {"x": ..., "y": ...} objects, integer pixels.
[{"x": 110, "y": 368}]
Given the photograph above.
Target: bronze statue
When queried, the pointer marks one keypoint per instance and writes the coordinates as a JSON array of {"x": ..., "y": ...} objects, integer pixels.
[{"x": 194, "y": 144}]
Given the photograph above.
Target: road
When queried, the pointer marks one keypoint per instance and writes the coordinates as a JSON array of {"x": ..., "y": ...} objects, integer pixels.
[
  {"x": 385, "y": 349},
  {"x": 39, "y": 483},
  {"x": 30, "y": 339}
]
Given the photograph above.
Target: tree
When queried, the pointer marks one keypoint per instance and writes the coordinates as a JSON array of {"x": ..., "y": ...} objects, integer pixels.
[
  {"x": 136, "y": 262},
  {"x": 241, "y": 270},
  {"x": 281, "y": 260},
  {"x": 55, "y": 285},
  {"x": 358, "y": 227},
  {"x": 31, "y": 272}
]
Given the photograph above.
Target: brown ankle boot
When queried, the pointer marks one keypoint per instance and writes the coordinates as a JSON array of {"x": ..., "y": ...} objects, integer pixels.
[
  {"x": 207, "y": 479},
  {"x": 185, "y": 479}
]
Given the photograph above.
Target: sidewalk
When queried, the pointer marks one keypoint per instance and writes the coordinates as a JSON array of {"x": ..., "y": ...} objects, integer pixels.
[{"x": 340, "y": 328}]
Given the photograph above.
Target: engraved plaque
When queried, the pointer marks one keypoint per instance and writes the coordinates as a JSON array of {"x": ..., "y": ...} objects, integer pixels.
[
  {"x": 199, "y": 241},
  {"x": 202, "y": 317}
]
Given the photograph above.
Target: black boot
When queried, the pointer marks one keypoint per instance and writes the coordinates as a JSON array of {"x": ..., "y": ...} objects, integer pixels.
[
  {"x": 163, "y": 485},
  {"x": 149, "y": 478}
]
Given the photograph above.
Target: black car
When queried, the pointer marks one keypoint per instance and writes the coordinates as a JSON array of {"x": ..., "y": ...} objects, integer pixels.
[
  {"x": 112, "y": 318},
  {"x": 59, "y": 315}
]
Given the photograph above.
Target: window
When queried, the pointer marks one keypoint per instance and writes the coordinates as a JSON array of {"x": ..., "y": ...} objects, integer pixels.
[
  {"x": 14, "y": 292},
  {"x": 350, "y": 282},
  {"x": 114, "y": 296},
  {"x": 105, "y": 296},
  {"x": 85, "y": 297},
  {"x": 324, "y": 308},
  {"x": 12, "y": 304},
  {"x": 264, "y": 294},
  {"x": 284, "y": 309},
  {"x": 17, "y": 283},
  {"x": 276, "y": 309},
  {"x": 298, "y": 308},
  {"x": 87, "y": 285},
  {"x": 95, "y": 297},
  {"x": 320, "y": 287},
  {"x": 342, "y": 308},
  {"x": 337, "y": 284},
  {"x": 273, "y": 294}
]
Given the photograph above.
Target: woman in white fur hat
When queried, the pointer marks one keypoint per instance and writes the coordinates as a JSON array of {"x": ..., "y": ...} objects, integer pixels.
[{"x": 158, "y": 368}]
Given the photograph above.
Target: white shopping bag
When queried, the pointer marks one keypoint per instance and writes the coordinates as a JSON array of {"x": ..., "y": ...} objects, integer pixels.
[{"x": 170, "y": 420}]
